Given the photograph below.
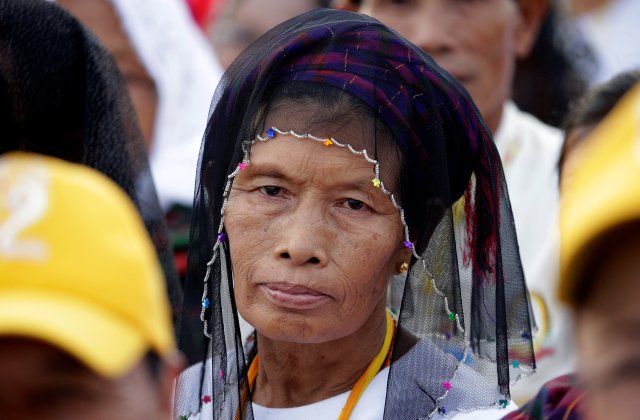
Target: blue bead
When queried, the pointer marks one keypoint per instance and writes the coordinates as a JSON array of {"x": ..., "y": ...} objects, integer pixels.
[
  {"x": 271, "y": 133},
  {"x": 205, "y": 303}
]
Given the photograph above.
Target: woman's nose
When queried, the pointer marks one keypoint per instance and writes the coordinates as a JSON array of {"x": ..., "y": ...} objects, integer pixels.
[{"x": 304, "y": 239}]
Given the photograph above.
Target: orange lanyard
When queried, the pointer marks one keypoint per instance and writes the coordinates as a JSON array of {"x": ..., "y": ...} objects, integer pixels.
[{"x": 364, "y": 380}]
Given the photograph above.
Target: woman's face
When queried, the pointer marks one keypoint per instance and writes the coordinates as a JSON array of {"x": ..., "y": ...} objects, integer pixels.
[{"x": 312, "y": 241}]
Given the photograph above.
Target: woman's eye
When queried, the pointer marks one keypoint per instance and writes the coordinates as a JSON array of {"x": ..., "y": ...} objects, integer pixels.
[
  {"x": 270, "y": 190},
  {"x": 355, "y": 204}
]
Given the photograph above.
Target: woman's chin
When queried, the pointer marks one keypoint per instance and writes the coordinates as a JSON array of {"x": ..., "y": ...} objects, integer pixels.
[{"x": 293, "y": 327}]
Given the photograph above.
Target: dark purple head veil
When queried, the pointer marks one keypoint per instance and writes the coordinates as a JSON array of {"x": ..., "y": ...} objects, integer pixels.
[
  {"x": 61, "y": 95},
  {"x": 465, "y": 301}
]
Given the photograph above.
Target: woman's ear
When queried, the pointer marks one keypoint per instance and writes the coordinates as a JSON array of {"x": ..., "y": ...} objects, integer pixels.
[
  {"x": 532, "y": 13},
  {"x": 348, "y": 5}
]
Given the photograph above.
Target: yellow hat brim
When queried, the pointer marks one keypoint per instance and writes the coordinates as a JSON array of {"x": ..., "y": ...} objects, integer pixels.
[
  {"x": 104, "y": 343},
  {"x": 600, "y": 191}
]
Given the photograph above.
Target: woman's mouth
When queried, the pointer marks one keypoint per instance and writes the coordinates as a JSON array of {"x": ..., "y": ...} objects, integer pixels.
[{"x": 293, "y": 296}]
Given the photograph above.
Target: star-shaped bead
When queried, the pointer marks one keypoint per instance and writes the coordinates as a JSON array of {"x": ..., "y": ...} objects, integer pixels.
[
  {"x": 376, "y": 182},
  {"x": 327, "y": 142},
  {"x": 207, "y": 399}
]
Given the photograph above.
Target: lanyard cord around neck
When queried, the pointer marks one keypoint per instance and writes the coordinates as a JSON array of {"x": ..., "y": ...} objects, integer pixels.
[{"x": 364, "y": 380}]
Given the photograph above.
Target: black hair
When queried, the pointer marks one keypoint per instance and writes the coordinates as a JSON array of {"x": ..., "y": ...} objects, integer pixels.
[
  {"x": 555, "y": 71},
  {"x": 590, "y": 109},
  {"x": 154, "y": 365}
]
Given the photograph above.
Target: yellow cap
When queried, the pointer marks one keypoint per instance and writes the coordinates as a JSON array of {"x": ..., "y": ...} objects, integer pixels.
[
  {"x": 600, "y": 190},
  {"x": 77, "y": 267}
]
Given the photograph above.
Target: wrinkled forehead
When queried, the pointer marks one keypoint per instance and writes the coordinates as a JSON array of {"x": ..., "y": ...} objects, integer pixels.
[{"x": 356, "y": 127}]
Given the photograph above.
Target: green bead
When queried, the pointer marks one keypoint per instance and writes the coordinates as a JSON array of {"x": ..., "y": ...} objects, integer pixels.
[
  {"x": 452, "y": 316},
  {"x": 503, "y": 403},
  {"x": 516, "y": 364}
]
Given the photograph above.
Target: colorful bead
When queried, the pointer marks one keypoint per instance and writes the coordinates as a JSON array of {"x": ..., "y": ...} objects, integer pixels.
[
  {"x": 243, "y": 165},
  {"x": 447, "y": 385},
  {"x": 183, "y": 418},
  {"x": 442, "y": 410},
  {"x": 222, "y": 237},
  {"x": 220, "y": 374},
  {"x": 526, "y": 336},
  {"x": 207, "y": 399},
  {"x": 452, "y": 316},
  {"x": 503, "y": 403},
  {"x": 516, "y": 364},
  {"x": 376, "y": 182},
  {"x": 327, "y": 142},
  {"x": 408, "y": 244},
  {"x": 271, "y": 133},
  {"x": 205, "y": 303}
]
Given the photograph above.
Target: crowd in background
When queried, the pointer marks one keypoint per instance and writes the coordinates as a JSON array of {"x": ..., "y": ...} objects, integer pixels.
[{"x": 552, "y": 79}]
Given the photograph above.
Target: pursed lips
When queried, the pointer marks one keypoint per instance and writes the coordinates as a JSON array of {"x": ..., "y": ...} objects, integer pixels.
[{"x": 293, "y": 295}]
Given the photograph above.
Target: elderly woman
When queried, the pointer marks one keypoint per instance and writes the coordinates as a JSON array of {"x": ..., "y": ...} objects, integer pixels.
[{"x": 337, "y": 154}]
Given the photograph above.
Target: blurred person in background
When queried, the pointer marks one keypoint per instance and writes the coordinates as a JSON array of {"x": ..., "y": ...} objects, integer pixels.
[
  {"x": 564, "y": 397},
  {"x": 600, "y": 231},
  {"x": 557, "y": 69},
  {"x": 611, "y": 29},
  {"x": 479, "y": 43},
  {"x": 243, "y": 21},
  {"x": 591, "y": 109},
  {"x": 171, "y": 74},
  {"x": 85, "y": 325},
  {"x": 61, "y": 95}
]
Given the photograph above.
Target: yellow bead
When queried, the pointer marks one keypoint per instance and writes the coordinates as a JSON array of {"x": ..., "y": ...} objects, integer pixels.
[
  {"x": 376, "y": 182},
  {"x": 328, "y": 142}
]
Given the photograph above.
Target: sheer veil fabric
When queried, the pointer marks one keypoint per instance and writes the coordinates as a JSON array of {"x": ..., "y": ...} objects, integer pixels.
[
  {"x": 62, "y": 95},
  {"x": 178, "y": 57},
  {"x": 186, "y": 72},
  {"x": 465, "y": 302}
]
